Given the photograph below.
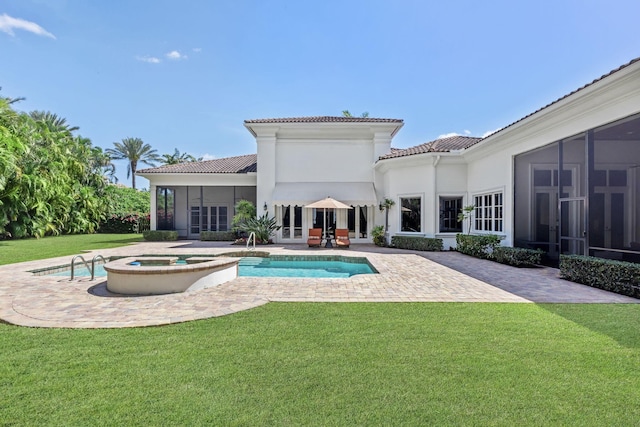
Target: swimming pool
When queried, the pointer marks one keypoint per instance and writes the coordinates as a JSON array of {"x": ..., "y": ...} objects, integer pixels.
[
  {"x": 316, "y": 268},
  {"x": 277, "y": 266}
]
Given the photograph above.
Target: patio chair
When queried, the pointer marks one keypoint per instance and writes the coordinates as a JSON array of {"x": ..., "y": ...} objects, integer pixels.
[
  {"x": 342, "y": 238},
  {"x": 315, "y": 237}
]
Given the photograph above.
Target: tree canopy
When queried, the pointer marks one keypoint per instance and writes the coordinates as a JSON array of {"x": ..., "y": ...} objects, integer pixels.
[
  {"x": 178, "y": 157},
  {"x": 51, "y": 181},
  {"x": 133, "y": 150}
]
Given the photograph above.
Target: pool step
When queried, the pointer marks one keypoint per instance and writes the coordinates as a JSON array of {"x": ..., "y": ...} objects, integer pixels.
[{"x": 251, "y": 261}]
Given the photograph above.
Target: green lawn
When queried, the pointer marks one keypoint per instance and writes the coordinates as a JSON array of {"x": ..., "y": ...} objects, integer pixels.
[
  {"x": 12, "y": 251},
  {"x": 335, "y": 364}
]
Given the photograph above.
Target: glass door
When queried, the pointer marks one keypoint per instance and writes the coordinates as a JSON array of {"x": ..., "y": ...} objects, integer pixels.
[{"x": 573, "y": 227}]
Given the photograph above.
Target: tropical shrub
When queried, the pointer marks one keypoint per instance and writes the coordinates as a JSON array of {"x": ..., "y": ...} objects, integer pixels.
[
  {"x": 479, "y": 246},
  {"x": 518, "y": 257},
  {"x": 129, "y": 223},
  {"x": 263, "y": 226},
  {"x": 123, "y": 200},
  {"x": 217, "y": 236},
  {"x": 160, "y": 235},
  {"x": 417, "y": 243},
  {"x": 378, "y": 235},
  {"x": 51, "y": 181},
  {"x": 127, "y": 210},
  {"x": 615, "y": 276},
  {"x": 245, "y": 210}
]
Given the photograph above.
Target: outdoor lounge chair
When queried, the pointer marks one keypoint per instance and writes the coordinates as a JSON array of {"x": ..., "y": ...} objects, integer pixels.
[
  {"x": 342, "y": 238},
  {"x": 315, "y": 237}
]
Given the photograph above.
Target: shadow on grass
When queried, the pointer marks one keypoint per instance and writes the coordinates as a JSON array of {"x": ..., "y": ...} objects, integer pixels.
[{"x": 617, "y": 321}]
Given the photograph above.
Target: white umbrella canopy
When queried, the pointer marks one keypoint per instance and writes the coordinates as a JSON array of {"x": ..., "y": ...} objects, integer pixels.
[
  {"x": 325, "y": 204},
  {"x": 328, "y": 203}
]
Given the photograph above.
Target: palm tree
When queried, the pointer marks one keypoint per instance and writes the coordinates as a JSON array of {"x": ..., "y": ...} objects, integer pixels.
[
  {"x": 347, "y": 113},
  {"x": 178, "y": 157},
  {"x": 53, "y": 122},
  {"x": 134, "y": 150}
]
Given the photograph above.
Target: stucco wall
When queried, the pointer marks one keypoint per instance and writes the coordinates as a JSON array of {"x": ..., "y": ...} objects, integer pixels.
[{"x": 324, "y": 160}]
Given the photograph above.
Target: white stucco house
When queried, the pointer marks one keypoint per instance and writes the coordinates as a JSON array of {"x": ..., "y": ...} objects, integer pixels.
[{"x": 565, "y": 178}]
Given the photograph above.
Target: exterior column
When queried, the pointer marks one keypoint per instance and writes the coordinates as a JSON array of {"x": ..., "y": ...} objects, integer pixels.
[
  {"x": 435, "y": 209},
  {"x": 266, "y": 179},
  {"x": 153, "y": 208}
]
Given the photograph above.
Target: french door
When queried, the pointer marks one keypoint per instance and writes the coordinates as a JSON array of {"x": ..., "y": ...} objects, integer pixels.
[{"x": 210, "y": 218}]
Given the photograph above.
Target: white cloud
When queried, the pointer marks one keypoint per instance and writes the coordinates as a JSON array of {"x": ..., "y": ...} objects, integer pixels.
[
  {"x": 8, "y": 24},
  {"x": 208, "y": 157},
  {"x": 197, "y": 49},
  {"x": 149, "y": 59},
  {"x": 467, "y": 132},
  {"x": 486, "y": 134},
  {"x": 448, "y": 135},
  {"x": 175, "y": 55}
]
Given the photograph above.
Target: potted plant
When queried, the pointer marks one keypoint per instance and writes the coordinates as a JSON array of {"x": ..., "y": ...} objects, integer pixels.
[{"x": 378, "y": 235}]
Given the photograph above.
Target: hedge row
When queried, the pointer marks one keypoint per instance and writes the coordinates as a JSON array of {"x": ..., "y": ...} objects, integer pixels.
[
  {"x": 615, "y": 276},
  {"x": 488, "y": 247},
  {"x": 481, "y": 246},
  {"x": 217, "y": 236},
  {"x": 417, "y": 243},
  {"x": 122, "y": 224},
  {"x": 160, "y": 235},
  {"x": 518, "y": 257}
]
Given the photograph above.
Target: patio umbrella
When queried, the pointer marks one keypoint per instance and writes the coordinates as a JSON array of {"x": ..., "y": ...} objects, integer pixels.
[{"x": 325, "y": 204}]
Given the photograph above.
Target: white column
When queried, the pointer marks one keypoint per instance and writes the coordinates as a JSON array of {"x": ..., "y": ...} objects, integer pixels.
[{"x": 153, "y": 207}]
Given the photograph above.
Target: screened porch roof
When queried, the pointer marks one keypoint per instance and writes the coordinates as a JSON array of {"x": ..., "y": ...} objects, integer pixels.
[{"x": 303, "y": 193}]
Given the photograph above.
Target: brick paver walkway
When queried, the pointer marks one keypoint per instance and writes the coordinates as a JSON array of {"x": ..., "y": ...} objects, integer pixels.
[{"x": 48, "y": 301}]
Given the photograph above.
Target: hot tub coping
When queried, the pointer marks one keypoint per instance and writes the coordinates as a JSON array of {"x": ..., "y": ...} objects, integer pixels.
[{"x": 123, "y": 266}]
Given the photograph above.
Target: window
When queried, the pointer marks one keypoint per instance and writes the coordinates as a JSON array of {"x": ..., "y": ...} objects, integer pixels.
[
  {"x": 165, "y": 208},
  {"x": 450, "y": 208},
  {"x": 410, "y": 214},
  {"x": 488, "y": 212}
]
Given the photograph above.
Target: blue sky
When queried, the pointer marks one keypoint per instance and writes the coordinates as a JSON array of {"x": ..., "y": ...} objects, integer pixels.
[{"x": 186, "y": 74}]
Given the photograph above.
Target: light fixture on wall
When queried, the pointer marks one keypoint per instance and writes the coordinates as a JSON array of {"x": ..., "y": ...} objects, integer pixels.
[{"x": 265, "y": 207}]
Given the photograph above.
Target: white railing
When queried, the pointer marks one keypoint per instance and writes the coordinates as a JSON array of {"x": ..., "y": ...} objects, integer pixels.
[{"x": 252, "y": 237}]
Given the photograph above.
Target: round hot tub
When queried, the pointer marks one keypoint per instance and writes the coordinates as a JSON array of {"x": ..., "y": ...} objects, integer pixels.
[{"x": 162, "y": 275}]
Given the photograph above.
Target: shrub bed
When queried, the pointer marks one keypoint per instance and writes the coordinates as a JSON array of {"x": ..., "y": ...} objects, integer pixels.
[
  {"x": 615, "y": 276},
  {"x": 217, "y": 236},
  {"x": 160, "y": 235},
  {"x": 417, "y": 243},
  {"x": 481, "y": 246},
  {"x": 518, "y": 257},
  {"x": 126, "y": 223}
]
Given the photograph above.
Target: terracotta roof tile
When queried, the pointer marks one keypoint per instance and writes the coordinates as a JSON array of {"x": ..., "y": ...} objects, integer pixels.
[
  {"x": 325, "y": 119},
  {"x": 442, "y": 145},
  {"x": 237, "y": 164}
]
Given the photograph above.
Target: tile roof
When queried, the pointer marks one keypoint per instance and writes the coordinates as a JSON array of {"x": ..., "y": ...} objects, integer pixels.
[
  {"x": 442, "y": 145},
  {"x": 325, "y": 119},
  {"x": 237, "y": 164}
]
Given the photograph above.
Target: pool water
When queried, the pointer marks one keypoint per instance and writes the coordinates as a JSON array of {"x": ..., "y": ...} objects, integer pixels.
[{"x": 266, "y": 267}]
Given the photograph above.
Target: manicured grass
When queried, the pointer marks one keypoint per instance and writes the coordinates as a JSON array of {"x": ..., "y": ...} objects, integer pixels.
[
  {"x": 335, "y": 364},
  {"x": 12, "y": 251}
]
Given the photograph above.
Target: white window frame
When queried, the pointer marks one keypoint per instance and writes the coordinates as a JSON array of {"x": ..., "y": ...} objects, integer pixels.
[{"x": 484, "y": 212}]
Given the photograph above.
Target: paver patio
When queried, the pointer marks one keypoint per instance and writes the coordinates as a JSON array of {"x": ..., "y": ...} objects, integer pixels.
[{"x": 404, "y": 276}]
